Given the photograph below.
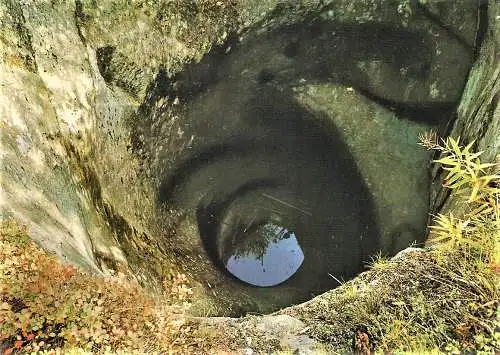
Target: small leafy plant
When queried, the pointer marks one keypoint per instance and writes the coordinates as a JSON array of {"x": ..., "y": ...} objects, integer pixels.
[
  {"x": 479, "y": 227},
  {"x": 55, "y": 308},
  {"x": 471, "y": 239},
  {"x": 445, "y": 298}
]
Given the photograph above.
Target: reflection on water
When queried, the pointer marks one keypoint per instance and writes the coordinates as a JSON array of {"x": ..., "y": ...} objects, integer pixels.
[
  {"x": 250, "y": 160},
  {"x": 275, "y": 162},
  {"x": 281, "y": 258}
]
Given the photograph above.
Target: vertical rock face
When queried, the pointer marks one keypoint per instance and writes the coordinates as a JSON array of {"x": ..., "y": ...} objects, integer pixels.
[
  {"x": 120, "y": 155},
  {"x": 46, "y": 100},
  {"x": 65, "y": 104},
  {"x": 478, "y": 115}
]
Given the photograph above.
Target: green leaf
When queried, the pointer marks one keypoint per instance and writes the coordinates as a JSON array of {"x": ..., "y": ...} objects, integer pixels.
[
  {"x": 447, "y": 161},
  {"x": 455, "y": 146},
  {"x": 451, "y": 178},
  {"x": 481, "y": 210},
  {"x": 459, "y": 184},
  {"x": 474, "y": 155}
]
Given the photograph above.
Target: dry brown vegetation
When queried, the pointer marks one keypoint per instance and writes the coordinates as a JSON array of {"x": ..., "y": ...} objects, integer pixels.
[{"x": 46, "y": 305}]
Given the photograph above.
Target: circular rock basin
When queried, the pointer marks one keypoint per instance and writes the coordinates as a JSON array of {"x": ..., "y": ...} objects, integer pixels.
[
  {"x": 273, "y": 182},
  {"x": 278, "y": 200}
]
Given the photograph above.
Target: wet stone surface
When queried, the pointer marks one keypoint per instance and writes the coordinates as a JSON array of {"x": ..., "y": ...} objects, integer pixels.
[{"x": 311, "y": 127}]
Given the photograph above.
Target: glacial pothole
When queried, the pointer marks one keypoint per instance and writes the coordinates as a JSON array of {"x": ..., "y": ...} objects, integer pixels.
[{"x": 293, "y": 153}]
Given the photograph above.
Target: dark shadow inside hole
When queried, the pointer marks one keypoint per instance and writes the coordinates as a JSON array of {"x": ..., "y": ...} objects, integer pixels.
[
  {"x": 104, "y": 55},
  {"x": 288, "y": 170},
  {"x": 291, "y": 49},
  {"x": 323, "y": 51},
  {"x": 265, "y": 76},
  {"x": 256, "y": 147}
]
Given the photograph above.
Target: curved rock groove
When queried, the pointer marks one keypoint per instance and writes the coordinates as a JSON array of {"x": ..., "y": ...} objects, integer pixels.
[{"x": 259, "y": 158}]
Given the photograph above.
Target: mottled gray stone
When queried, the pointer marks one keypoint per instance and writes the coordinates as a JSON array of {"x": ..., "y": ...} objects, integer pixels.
[
  {"x": 68, "y": 170},
  {"x": 478, "y": 116}
]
